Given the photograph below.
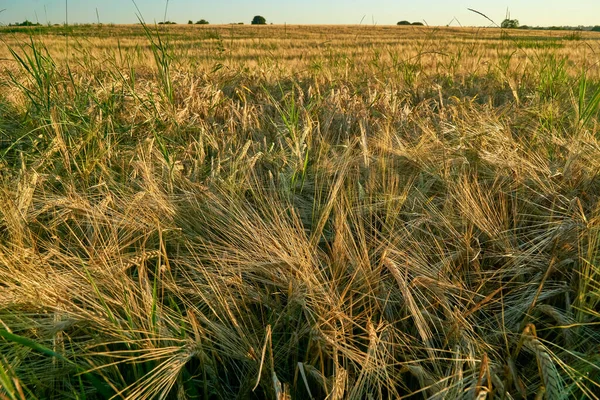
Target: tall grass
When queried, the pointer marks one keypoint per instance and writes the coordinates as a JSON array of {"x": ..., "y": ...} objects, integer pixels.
[{"x": 366, "y": 229}]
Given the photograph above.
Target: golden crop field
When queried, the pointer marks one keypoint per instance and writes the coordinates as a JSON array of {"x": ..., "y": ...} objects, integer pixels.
[{"x": 299, "y": 212}]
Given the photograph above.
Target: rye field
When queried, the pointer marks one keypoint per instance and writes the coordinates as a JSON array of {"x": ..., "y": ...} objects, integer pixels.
[{"x": 299, "y": 212}]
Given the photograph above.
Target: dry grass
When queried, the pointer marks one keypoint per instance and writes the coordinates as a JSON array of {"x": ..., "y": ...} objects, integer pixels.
[{"x": 305, "y": 212}]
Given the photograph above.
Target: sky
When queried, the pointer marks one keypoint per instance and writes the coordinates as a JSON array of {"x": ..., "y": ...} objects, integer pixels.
[{"x": 367, "y": 12}]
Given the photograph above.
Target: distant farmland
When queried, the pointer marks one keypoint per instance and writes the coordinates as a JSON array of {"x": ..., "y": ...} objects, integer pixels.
[{"x": 296, "y": 212}]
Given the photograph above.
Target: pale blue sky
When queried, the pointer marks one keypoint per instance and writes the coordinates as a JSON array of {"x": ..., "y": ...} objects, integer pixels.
[{"x": 381, "y": 12}]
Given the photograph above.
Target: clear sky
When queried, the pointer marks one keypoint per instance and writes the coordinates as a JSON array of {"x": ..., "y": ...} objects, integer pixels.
[{"x": 381, "y": 12}]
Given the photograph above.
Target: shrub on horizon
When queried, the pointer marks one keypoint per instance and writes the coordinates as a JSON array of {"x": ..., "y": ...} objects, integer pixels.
[{"x": 510, "y": 23}]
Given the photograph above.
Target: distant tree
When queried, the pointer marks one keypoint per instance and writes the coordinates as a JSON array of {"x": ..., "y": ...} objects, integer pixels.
[
  {"x": 202, "y": 22},
  {"x": 510, "y": 23},
  {"x": 417, "y": 23},
  {"x": 596, "y": 28},
  {"x": 190, "y": 22},
  {"x": 259, "y": 20},
  {"x": 403, "y": 23},
  {"x": 524, "y": 27}
]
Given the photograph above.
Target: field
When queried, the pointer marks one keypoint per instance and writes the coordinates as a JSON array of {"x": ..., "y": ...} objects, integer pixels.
[{"x": 299, "y": 212}]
